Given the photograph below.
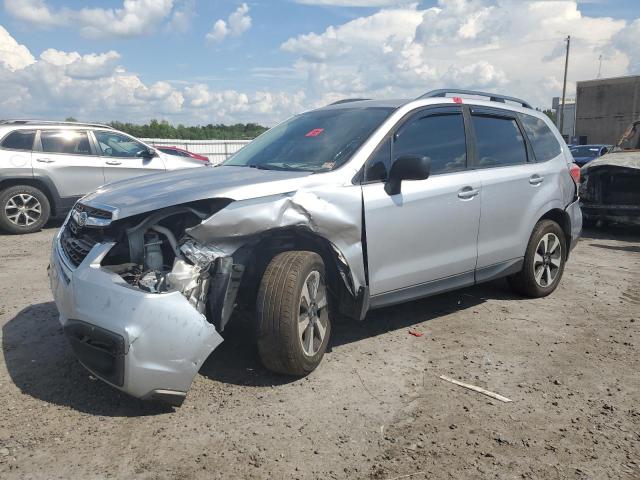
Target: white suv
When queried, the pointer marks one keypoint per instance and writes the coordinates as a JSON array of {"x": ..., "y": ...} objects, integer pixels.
[{"x": 45, "y": 167}]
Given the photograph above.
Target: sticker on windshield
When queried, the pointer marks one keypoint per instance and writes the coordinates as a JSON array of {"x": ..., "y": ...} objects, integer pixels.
[{"x": 315, "y": 132}]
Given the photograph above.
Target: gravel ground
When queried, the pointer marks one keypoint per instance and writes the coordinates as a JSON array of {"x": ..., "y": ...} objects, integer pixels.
[{"x": 375, "y": 408}]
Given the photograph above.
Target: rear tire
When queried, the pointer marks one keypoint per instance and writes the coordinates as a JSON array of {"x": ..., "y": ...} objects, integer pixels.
[
  {"x": 23, "y": 209},
  {"x": 293, "y": 324},
  {"x": 544, "y": 261}
]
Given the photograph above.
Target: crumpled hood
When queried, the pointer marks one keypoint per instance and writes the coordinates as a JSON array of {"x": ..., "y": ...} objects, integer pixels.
[
  {"x": 151, "y": 192},
  {"x": 628, "y": 159}
]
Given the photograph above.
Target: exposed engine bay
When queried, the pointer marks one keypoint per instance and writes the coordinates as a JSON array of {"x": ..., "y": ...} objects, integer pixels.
[{"x": 155, "y": 255}]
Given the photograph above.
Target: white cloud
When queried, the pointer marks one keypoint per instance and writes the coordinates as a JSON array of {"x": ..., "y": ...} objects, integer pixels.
[
  {"x": 182, "y": 15},
  {"x": 238, "y": 22},
  {"x": 508, "y": 46},
  {"x": 86, "y": 67},
  {"x": 13, "y": 56},
  {"x": 505, "y": 46},
  {"x": 94, "y": 87},
  {"x": 352, "y": 3},
  {"x": 218, "y": 32},
  {"x": 134, "y": 18},
  {"x": 626, "y": 40}
]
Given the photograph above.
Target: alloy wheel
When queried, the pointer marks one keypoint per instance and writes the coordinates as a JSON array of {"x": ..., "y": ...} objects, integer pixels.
[
  {"x": 547, "y": 260},
  {"x": 313, "y": 315},
  {"x": 23, "y": 210}
]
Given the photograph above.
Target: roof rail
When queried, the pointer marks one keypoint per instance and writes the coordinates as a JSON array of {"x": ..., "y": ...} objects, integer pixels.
[
  {"x": 348, "y": 100},
  {"x": 53, "y": 122},
  {"x": 493, "y": 97}
]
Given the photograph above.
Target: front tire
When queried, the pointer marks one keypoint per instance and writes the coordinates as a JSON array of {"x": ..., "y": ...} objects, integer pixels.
[
  {"x": 23, "y": 209},
  {"x": 293, "y": 313},
  {"x": 544, "y": 261}
]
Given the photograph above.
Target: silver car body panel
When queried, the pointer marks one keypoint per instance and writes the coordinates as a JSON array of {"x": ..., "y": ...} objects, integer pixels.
[
  {"x": 406, "y": 258},
  {"x": 424, "y": 251}
]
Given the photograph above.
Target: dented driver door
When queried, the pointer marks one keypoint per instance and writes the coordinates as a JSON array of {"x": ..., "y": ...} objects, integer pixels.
[{"x": 424, "y": 239}]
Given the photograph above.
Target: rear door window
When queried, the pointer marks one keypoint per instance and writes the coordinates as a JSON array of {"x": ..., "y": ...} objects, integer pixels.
[
  {"x": 499, "y": 141},
  {"x": 544, "y": 143},
  {"x": 69, "y": 142},
  {"x": 19, "y": 140}
]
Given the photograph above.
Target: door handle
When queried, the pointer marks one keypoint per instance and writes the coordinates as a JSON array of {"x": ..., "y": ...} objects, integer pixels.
[
  {"x": 113, "y": 162},
  {"x": 44, "y": 160},
  {"x": 467, "y": 193},
  {"x": 536, "y": 179}
]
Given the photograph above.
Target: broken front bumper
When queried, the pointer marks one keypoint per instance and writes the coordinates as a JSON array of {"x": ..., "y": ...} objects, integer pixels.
[{"x": 149, "y": 345}]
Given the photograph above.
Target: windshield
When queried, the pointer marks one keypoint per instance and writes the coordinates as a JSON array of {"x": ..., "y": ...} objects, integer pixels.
[
  {"x": 585, "y": 151},
  {"x": 316, "y": 141}
]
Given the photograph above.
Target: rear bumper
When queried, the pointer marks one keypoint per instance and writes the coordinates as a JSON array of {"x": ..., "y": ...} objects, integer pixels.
[
  {"x": 147, "y": 345},
  {"x": 575, "y": 217}
]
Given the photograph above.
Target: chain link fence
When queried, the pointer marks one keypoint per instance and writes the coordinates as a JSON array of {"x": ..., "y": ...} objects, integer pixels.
[{"x": 216, "y": 150}]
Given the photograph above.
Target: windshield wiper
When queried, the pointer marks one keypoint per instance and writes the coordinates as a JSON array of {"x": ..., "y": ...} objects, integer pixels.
[{"x": 260, "y": 167}]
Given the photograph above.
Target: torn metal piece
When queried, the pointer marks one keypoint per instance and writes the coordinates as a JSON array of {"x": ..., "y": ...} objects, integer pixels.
[
  {"x": 183, "y": 277},
  {"x": 201, "y": 255},
  {"x": 152, "y": 282}
]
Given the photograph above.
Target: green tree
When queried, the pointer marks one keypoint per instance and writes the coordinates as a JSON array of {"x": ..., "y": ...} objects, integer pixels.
[
  {"x": 551, "y": 114},
  {"x": 163, "y": 129}
]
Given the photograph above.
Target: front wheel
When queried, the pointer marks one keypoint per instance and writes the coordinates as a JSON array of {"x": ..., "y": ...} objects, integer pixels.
[
  {"x": 544, "y": 261},
  {"x": 293, "y": 313},
  {"x": 23, "y": 209}
]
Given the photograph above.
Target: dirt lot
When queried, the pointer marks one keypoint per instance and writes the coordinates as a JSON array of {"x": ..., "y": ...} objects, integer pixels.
[{"x": 374, "y": 409}]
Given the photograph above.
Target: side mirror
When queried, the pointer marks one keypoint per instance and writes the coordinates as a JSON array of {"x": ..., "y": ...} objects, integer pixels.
[
  {"x": 149, "y": 153},
  {"x": 407, "y": 167}
]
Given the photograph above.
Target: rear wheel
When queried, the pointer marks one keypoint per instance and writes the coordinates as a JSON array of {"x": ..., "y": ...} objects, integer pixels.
[
  {"x": 23, "y": 209},
  {"x": 543, "y": 261},
  {"x": 293, "y": 313}
]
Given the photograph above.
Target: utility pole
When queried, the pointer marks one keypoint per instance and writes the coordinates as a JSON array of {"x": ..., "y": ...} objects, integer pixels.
[
  {"x": 599, "y": 66},
  {"x": 564, "y": 84}
]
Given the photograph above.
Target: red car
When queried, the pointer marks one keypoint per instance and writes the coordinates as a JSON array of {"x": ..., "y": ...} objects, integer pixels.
[{"x": 179, "y": 152}]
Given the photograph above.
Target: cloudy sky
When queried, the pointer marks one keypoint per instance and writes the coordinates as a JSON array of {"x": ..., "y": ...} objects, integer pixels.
[{"x": 209, "y": 61}]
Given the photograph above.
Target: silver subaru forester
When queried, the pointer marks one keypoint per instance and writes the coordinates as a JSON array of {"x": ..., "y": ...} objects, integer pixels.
[{"x": 343, "y": 209}]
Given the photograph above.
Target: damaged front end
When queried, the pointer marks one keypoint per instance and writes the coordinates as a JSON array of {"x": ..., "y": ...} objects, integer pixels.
[
  {"x": 156, "y": 255},
  {"x": 143, "y": 298},
  {"x": 140, "y": 300},
  {"x": 610, "y": 189}
]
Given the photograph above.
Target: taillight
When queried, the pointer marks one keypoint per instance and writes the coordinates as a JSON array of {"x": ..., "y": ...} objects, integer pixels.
[{"x": 574, "y": 170}]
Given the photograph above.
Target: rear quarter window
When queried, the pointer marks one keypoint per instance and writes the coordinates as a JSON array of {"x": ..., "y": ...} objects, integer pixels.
[
  {"x": 19, "y": 140},
  {"x": 544, "y": 143}
]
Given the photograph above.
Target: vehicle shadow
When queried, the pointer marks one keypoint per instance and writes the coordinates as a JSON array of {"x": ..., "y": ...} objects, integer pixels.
[
  {"x": 627, "y": 248},
  {"x": 53, "y": 224},
  {"x": 41, "y": 364},
  {"x": 613, "y": 232},
  {"x": 236, "y": 360}
]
